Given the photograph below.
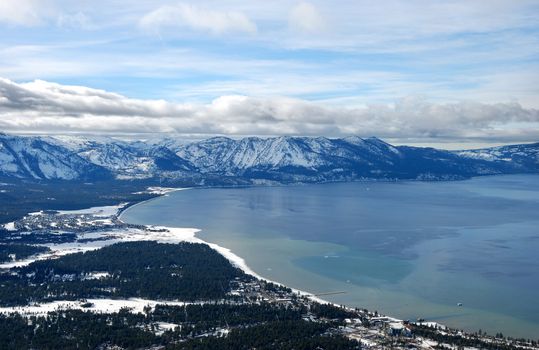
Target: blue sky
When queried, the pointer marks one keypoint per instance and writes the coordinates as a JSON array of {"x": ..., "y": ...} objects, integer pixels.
[{"x": 416, "y": 71}]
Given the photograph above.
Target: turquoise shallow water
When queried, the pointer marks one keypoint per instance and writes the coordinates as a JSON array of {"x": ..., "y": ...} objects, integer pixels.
[{"x": 408, "y": 249}]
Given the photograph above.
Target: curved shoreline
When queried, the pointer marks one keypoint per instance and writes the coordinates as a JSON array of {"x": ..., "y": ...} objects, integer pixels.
[
  {"x": 470, "y": 323},
  {"x": 233, "y": 258},
  {"x": 176, "y": 232}
]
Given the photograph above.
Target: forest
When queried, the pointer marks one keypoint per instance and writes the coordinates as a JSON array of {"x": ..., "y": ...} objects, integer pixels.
[
  {"x": 151, "y": 270},
  {"x": 86, "y": 330},
  {"x": 19, "y": 251},
  {"x": 185, "y": 271}
]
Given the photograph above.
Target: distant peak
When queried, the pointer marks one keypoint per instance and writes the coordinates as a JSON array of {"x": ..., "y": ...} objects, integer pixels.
[
  {"x": 355, "y": 140},
  {"x": 374, "y": 139}
]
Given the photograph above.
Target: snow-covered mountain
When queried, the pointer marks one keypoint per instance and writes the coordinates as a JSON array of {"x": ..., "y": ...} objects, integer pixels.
[
  {"x": 128, "y": 160},
  {"x": 524, "y": 157},
  {"x": 289, "y": 159},
  {"x": 252, "y": 159},
  {"x": 38, "y": 158},
  {"x": 82, "y": 158}
]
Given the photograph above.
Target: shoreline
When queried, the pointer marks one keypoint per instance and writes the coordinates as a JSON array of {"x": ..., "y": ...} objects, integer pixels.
[
  {"x": 240, "y": 262},
  {"x": 183, "y": 234},
  {"x": 376, "y": 335},
  {"x": 163, "y": 193},
  {"x": 235, "y": 259}
]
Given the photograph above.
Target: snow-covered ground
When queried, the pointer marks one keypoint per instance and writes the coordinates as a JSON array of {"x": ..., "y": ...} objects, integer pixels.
[
  {"x": 104, "y": 211},
  {"x": 135, "y": 305},
  {"x": 164, "y": 235},
  {"x": 160, "y": 190}
]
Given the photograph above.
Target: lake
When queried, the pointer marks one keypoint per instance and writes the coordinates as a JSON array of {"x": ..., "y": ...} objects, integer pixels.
[{"x": 406, "y": 249}]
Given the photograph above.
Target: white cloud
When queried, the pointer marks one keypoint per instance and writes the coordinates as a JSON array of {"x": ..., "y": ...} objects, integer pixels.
[
  {"x": 197, "y": 18},
  {"x": 44, "y": 107},
  {"x": 368, "y": 52},
  {"x": 305, "y": 17},
  {"x": 21, "y": 12},
  {"x": 42, "y": 13}
]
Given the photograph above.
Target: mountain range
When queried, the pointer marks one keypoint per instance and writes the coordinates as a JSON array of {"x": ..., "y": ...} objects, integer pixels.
[{"x": 251, "y": 160}]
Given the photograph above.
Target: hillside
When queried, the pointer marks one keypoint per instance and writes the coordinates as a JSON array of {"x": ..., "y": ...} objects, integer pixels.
[{"x": 251, "y": 160}]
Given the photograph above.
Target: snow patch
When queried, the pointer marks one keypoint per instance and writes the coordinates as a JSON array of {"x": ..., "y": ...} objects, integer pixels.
[
  {"x": 135, "y": 305},
  {"x": 10, "y": 226},
  {"x": 160, "y": 190},
  {"x": 162, "y": 327},
  {"x": 96, "y": 275}
]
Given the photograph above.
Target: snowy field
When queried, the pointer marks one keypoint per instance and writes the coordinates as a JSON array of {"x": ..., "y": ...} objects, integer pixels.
[
  {"x": 105, "y": 211},
  {"x": 135, "y": 305}
]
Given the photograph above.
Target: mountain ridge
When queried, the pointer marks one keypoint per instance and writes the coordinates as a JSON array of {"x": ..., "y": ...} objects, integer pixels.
[{"x": 284, "y": 159}]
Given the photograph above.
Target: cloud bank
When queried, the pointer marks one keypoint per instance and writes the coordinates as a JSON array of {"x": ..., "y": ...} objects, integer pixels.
[
  {"x": 344, "y": 53},
  {"x": 45, "y": 107}
]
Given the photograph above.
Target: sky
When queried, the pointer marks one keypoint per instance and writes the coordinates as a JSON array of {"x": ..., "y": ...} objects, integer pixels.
[{"x": 453, "y": 73}]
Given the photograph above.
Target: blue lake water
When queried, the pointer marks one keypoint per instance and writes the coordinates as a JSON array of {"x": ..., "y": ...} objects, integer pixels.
[{"x": 407, "y": 249}]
